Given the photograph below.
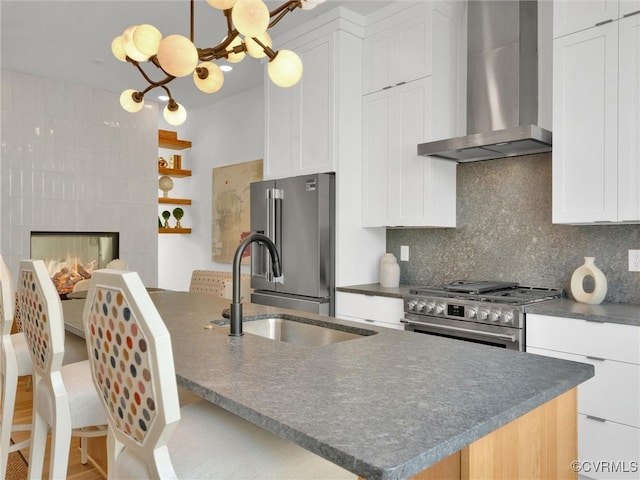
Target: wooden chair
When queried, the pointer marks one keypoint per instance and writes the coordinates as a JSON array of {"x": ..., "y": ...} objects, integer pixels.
[
  {"x": 64, "y": 399},
  {"x": 149, "y": 435},
  {"x": 15, "y": 362}
]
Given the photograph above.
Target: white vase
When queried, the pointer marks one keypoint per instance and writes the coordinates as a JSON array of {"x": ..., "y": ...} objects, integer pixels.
[
  {"x": 389, "y": 271},
  {"x": 599, "y": 283}
]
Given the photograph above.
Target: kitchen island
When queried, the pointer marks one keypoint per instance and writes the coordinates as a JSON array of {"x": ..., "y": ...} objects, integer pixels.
[{"x": 387, "y": 405}]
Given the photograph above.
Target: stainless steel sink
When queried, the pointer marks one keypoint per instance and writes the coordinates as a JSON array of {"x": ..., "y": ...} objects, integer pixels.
[{"x": 296, "y": 331}]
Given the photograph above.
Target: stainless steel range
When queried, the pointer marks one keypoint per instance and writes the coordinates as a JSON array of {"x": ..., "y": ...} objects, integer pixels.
[{"x": 491, "y": 313}]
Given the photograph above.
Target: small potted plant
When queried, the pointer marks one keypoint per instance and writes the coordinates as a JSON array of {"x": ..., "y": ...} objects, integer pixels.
[
  {"x": 178, "y": 213},
  {"x": 166, "y": 215}
]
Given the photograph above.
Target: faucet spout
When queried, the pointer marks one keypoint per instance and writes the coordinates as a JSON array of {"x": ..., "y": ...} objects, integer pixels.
[{"x": 236, "y": 305}]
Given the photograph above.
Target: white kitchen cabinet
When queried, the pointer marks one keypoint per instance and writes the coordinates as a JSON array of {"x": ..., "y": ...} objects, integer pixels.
[
  {"x": 609, "y": 417},
  {"x": 401, "y": 188},
  {"x": 397, "y": 49},
  {"x": 371, "y": 309},
  {"x": 596, "y": 166},
  {"x": 300, "y": 126},
  {"x": 570, "y": 16},
  {"x": 317, "y": 127},
  {"x": 629, "y": 118}
]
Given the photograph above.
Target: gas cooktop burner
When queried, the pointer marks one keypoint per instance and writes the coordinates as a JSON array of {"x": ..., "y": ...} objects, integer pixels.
[{"x": 490, "y": 291}]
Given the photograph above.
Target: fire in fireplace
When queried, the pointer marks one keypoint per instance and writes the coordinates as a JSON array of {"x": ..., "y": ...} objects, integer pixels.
[{"x": 72, "y": 256}]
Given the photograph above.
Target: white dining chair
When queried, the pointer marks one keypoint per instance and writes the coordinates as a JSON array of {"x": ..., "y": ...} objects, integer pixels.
[
  {"x": 15, "y": 362},
  {"x": 64, "y": 399},
  {"x": 149, "y": 435}
]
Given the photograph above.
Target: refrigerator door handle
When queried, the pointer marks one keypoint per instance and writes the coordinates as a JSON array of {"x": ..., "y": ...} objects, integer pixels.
[{"x": 274, "y": 229}]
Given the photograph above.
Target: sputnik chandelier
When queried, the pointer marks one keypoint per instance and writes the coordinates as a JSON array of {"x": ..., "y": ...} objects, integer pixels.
[{"x": 177, "y": 56}]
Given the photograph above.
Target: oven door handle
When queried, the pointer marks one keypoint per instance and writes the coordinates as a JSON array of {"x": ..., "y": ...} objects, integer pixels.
[{"x": 504, "y": 336}]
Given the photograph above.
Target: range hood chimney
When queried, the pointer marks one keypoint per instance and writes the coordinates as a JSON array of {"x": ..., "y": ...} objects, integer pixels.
[{"x": 502, "y": 85}]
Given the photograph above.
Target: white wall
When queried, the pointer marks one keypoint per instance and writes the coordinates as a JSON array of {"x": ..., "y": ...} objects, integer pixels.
[
  {"x": 229, "y": 132},
  {"x": 73, "y": 160}
]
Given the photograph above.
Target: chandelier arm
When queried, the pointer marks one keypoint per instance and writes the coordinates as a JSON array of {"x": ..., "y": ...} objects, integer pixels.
[
  {"x": 282, "y": 10},
  {"x": 191, "y": 25},
  {"x": 289, "y": 6},
  {"x": 267, "y": 50},
  {"x": 151, "y": 82}
]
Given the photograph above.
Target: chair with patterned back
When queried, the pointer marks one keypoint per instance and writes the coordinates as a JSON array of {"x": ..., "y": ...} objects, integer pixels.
[
  {"x": 64, "y": 399},
  {"x": 149, "y": 435},
  {"x": 15, "y": 362}
]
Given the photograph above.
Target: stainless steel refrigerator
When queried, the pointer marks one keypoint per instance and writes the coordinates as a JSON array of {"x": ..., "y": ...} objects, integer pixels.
[{"x": 298, "y": 214}]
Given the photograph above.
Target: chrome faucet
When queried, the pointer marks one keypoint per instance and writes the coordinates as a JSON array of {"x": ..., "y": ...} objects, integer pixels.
[{"x": 236, "y": 306}]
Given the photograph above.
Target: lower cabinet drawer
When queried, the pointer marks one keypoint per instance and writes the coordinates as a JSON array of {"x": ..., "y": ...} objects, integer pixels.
[
  {"x": 612, "y": 394},
  {"x": 608, "y": 450},
  {"x": 606, "y": 340},
  {"x": 370, "y": 308},
  {"x": 377, "y": 323}
]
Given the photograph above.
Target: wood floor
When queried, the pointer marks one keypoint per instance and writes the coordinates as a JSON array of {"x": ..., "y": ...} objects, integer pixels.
[{"x": 76, "y": 470}]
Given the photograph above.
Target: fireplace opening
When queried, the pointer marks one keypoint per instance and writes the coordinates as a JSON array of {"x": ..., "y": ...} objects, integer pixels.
[{"x": 73, "y": 256}]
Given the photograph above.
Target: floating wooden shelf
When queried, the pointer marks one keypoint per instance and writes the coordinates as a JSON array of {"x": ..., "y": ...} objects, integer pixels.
[
  {"x": 174, "y": 230},
  {"x": 174, "y": 172},
  {"x": 167, "y": 139},
  {"x": 175, "y": 201}
]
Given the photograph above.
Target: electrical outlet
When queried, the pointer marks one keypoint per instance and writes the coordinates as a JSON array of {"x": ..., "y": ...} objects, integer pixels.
[
  {"x": 634, "y": 260},
  {"x": 404, "y": 253}
]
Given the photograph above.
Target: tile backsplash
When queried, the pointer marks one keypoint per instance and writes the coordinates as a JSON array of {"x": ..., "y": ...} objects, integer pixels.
[
  {"x": 504, "y": 232},
  {"x": 72, "y": 160}
]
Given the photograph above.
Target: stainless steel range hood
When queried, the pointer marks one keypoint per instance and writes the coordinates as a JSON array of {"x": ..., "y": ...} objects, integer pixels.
[{"x": 502, "y": 86}]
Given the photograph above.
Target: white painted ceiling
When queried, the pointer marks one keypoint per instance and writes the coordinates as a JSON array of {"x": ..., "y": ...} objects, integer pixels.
[{"x": 70, "y": 40}]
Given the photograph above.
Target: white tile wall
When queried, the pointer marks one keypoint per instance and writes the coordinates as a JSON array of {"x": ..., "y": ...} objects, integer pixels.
[{"x": 72, "y": 160}]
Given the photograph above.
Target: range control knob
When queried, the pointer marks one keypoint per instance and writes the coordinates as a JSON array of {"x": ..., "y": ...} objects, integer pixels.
[
  {"x": 507, "y": 317},
  {"x": 420, "y": 306},
  {"x": 411, "y": 305},
  {"x": 472, "y": 313},
  {"x": 440, "y": 309},
  {"x": 429, "y": 308},
  {"x": 483, "y": 314},
  {"x": 494, "y": 316}
]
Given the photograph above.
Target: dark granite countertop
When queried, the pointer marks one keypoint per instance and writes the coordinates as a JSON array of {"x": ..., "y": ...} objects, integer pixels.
[
  {"x": 605, "y": 312},
  {"x": 383, "y": 406},
  {"x": 376, "y": 289}
]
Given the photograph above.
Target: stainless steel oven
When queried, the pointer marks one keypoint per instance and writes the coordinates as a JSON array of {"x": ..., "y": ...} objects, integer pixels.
[{"x": 490, "y": 313}]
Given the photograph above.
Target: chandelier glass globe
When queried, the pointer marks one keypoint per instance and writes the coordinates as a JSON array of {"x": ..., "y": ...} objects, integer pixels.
[
  {"x": 214, "y": 78},
  {"x": 146, "y": 39},
  {"x": 285, "y": 70},
  {"x": 175, "y": 117},
  {"x": 128, "y": 103},
  {"x": 130, "y": 47},
  {"x": 178, "y": 56},
  {"x": 118, "y": 50},
  {"x": 250, "y": 17}
]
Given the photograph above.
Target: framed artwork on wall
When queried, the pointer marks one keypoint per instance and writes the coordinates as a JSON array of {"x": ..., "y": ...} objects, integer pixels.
[{"x": 230, "y": 208}]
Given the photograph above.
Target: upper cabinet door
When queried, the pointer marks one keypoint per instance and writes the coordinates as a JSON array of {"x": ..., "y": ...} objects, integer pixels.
[
  {"x": 585, "y": 124},
  {"x": 571, "y": 16},
  {"x": 398, "y": 49},
  {"x": 629, "y": 7},
  {"x": 300, "y": 125},
  {"x": 629, "y": 120}
]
